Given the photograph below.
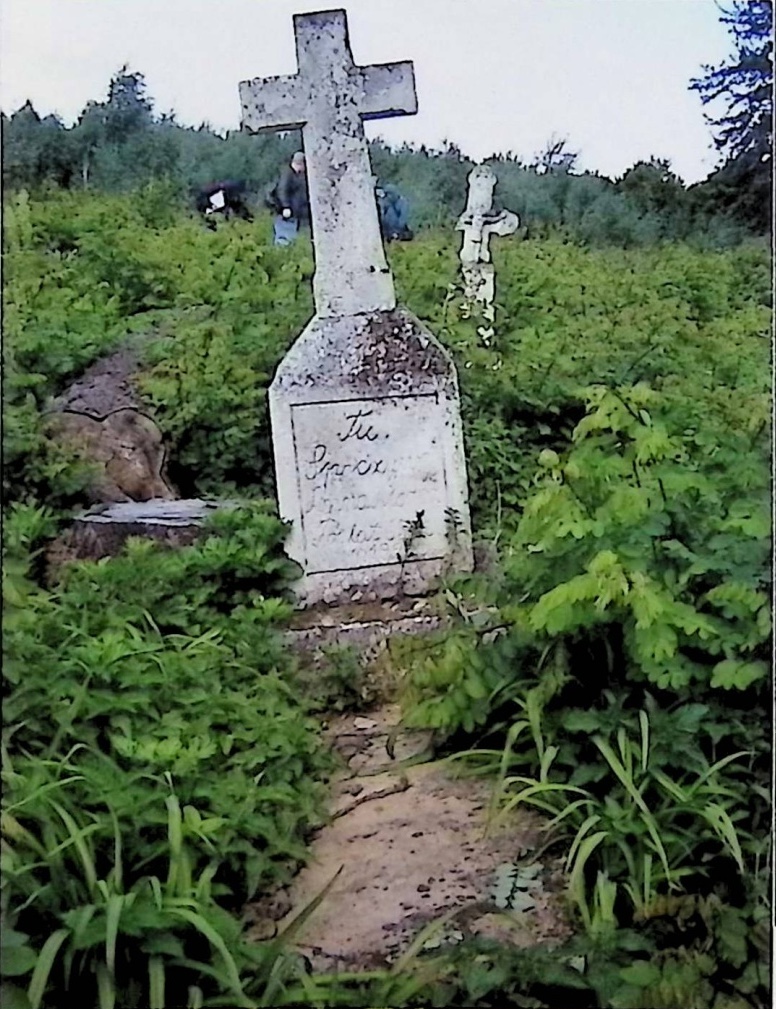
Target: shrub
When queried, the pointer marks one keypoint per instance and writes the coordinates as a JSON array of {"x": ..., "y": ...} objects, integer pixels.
[{"x": 177, "y": 671}]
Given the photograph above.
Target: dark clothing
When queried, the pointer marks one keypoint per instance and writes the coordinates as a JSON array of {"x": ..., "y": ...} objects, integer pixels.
[
  {"x": 233, "y": 193},
  {"x": 291, "y": 194},
  {"x": 394, "y": 214}
]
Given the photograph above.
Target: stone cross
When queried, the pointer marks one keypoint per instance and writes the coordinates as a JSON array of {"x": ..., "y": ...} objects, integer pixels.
[
  {"x": 478, "y": 222},
  {"x": 364, "y": 408},
  {"x": 329, "y": 98}
]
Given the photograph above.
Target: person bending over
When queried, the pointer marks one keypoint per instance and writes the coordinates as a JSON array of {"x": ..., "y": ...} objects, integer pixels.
[{"x": 225, "y": 198}]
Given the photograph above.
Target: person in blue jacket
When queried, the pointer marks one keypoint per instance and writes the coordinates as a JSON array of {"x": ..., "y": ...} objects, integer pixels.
[{"x": 394, "y": 214}]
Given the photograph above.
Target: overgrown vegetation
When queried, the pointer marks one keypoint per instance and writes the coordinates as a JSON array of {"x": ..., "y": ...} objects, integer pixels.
[{"x": 160, "y": 765}]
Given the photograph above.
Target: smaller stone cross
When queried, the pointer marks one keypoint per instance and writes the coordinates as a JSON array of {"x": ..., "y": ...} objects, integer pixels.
[
  {"x": 329, "y": 98},
  {"x": 478, "y": 222}
]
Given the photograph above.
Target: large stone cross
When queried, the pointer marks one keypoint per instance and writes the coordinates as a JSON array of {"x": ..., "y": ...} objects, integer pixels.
[{"x": 329, "y": 98}]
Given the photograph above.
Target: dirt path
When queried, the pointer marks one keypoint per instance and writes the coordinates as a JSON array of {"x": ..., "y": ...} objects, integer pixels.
[{"x": 409, "y": 845}]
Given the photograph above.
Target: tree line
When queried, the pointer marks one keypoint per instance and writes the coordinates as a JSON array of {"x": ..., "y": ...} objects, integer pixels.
[{"x": 121, "y": 143}]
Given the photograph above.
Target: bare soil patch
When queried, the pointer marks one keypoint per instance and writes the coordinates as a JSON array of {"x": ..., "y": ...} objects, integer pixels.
[{"x": 410, "y": 844}]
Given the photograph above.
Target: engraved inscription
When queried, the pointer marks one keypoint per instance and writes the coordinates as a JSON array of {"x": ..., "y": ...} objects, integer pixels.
[{"x": 366, "y": 470}]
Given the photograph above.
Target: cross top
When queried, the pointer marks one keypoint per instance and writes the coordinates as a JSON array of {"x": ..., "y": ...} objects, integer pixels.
[
  {"x": 329, "y": 98},
  {"x": 479, "y": 221}
]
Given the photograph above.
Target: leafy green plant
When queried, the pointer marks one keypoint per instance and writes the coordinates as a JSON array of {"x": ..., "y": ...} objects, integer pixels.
[
  {"x": 84, "y": 920},
  {"x": 614, "y": 661},
  {"x": 177, "y": 671}
]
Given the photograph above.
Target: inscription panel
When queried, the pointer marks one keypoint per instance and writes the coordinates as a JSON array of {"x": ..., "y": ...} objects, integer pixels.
[{"x": 371, "y": 475}]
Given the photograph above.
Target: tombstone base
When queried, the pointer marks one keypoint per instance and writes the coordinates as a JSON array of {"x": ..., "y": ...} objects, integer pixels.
[
  {"x": 391, "y": 581},
  {"x": 363, "y": 626},
  {"x": 369, "y": 459}
]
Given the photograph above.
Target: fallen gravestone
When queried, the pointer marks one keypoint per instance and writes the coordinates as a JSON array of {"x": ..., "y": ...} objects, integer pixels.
[
  {"x": 102, "y": 420},
  {"x": 104, "y": 530},
  {"x": 364, "y": 408}
]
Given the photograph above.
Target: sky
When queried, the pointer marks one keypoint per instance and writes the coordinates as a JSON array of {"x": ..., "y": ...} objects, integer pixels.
[{"x": 492, "y": 76}]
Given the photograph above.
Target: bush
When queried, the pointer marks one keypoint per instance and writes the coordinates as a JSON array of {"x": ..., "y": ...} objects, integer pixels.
[{"x": 177, "y": 672}]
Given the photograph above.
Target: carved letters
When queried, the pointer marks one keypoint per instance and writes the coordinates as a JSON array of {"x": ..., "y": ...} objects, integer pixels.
[{"x": 364, "y": 470}]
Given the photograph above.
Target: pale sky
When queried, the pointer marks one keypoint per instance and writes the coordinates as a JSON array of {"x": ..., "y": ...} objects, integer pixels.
[{"x": 491, "y": 75}]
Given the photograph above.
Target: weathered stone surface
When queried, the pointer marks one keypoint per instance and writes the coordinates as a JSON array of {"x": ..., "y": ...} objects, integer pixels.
[
  {"x": 105, "y": 386},
  {"x": 103, "y": 531},
  {"x": 127, "y": 448},
  {"x": 364, "y": 408},
  {"x": 369, "y": 458},
  {"x": 102, "y": 418},
  {"x": 329, "y": 98},
  {"x": 365, "y": 627},
  {"x": 152, "y": 514},
  {"x": 478, "y": 222}
]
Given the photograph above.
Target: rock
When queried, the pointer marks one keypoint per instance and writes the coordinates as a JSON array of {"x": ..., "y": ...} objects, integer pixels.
[{"x": 127, "y": 448}]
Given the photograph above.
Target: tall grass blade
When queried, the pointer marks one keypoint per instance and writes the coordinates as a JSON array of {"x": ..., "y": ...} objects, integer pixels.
[
  {"x": 644, "y": 724},
  {"x": 589, "y": 823},
  {"x": 43, "y": 965},
  {"x": 156, "y": 982},
  {"x": 637, "y": 797},
  {"x": 175, "y": 836},
  {"x": 720, "y": 822},
  {"x": 577, "y": 878},
  {"x": 118, "y": 866},
  {"x": 215, "y": 940},
  {"x": 196, "y": 997},
  {"x": 82, "y": 918},
  {"x": 549, "y": 755},
  {"x": 77, "y": 835},
  {"x": 717, "y": 767},
  {"x": 114, "y": 907},
  {"x": 420, "y": 940},
  {"x": 285, "y": 938},
  {"x": 106, "y": 988}
]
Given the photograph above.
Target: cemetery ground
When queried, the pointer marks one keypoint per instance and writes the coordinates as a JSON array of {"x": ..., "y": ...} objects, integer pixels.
[{"x": 599, "y": 685}]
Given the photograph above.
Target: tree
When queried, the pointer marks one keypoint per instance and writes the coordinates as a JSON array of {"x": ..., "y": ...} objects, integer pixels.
[
  {"x": 128, "y": 110},
  {"x": 555, "y": 158},
  {"x": 743, "y": 82},
  {"x": 653, "y": 186},
  {"x": 743, "y": 86},
  {"x": 36, "y": 150}
]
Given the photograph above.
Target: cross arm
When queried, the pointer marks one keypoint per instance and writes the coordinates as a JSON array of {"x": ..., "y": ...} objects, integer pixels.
[
  {"x": 388, "y": 90},
  {"x": 272, "y": 103}
]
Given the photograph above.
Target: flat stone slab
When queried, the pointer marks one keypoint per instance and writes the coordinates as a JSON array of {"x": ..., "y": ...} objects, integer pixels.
[
  {"x": 103, "y": 530},
  {"x": 366, "y": 627},
  {"x": 153, "y": 513}
]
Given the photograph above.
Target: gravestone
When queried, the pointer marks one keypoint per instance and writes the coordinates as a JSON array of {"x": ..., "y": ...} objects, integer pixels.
[
  {"x": 364, "y": 408},
  {"x": 478, "y": 222}
]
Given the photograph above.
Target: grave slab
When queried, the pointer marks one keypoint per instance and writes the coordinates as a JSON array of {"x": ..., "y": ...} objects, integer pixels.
[{"x": 102, "y": 531}]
